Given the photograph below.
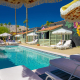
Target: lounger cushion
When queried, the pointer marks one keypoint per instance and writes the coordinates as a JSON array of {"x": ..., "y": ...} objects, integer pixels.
[
  {"x": 66, "y": 65},
  {"x": 18, "y": 73},
  {"x": 75, "y": 57}
]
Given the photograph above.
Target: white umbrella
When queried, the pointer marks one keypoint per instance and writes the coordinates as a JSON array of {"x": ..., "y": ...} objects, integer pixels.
[
  {"x": 0, "y": 34},
  {"x": 5, "y": 34},
  {"x": 17, "y": 35},
  {"x": 32, "y": 34},
  {"x": 62, "y": 32}
]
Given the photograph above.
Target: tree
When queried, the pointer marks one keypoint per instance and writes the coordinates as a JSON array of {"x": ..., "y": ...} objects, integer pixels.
[
  {"x": 18, "y": 26},
  {"x": 20, "y": 30},
  {"x": 9, "y": 24},
  {"x": 4, "y": 29},
  {"x": 51, "y": 22},
  {"x": 5, "y": 24},
  {"x": 48, "y": 23},
  {"x": 1, "y": 24},
  {"x": 24, "y": 22},
  {"x": 42, "y": 24}
]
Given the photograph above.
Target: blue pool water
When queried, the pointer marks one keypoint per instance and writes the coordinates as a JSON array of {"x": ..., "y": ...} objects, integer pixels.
[{"x": 17, "y": 55}]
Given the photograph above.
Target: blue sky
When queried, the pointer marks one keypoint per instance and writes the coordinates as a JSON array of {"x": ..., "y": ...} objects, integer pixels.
[{"x": 37, "y": 15}]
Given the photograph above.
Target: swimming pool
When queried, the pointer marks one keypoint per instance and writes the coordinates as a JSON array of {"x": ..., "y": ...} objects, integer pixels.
[{"x": 17, "y": 55}]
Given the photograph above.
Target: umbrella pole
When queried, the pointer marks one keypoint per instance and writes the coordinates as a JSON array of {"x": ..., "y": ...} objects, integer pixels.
[
  {"x": 26, "y": 24},
  {"x": 61, "y": 39},
  {"x": 15, "y": 23}
]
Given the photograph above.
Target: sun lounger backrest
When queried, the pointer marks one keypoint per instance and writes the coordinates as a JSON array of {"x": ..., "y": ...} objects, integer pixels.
[
  {"x": 60, "y": 42},
  {"x": 36, "y": 40},
  {"x": 67, "y": 43}
]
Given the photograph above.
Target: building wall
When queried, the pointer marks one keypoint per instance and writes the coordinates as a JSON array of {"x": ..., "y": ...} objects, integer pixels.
[
  {"x": 70, "y": 26},
  {"x": 74, "y": 37}
]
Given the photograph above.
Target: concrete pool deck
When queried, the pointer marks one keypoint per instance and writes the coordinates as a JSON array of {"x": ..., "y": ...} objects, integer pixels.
[{"x": 66, "y": 52}]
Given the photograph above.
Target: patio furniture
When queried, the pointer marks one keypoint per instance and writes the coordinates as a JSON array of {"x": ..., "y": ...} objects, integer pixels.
[
  {"x": 2, "y": 42},
  {"x": 32, "y": 42},
  {"x": 12, "y": 42},
  {"x": 69, "y": 66},
  {"x": 66, "y": 45},
  {"x": 58, "y": 44},
  {"x": 75, "y": 57},
  {"x": 52, "y": 76},
  {"x": 18, "y": 73}
]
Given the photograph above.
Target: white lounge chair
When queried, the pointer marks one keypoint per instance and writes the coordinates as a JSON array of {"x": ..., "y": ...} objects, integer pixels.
[
  {"x": 29, "y": 42},
  {"x": 66, "y": 45},
  {"x": 58, "y": 44},
  {"x": 2, "y": 42},
  {"x": 33, "y": 42},
  {"x": 18, "y": 73},
  {"x": 12, "y": 43}
]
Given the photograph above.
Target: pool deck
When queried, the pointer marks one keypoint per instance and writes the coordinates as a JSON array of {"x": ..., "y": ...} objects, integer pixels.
[{"x": 66, "y": 52}]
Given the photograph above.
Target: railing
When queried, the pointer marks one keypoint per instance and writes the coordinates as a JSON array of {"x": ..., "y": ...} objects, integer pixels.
[{"x": 44, "y": 42}]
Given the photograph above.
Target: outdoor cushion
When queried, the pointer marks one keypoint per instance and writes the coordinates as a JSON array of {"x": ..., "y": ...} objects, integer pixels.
[
  {"x": 75, "y": 57},
  {"x": 66, "y": 65},
  {"x": 18, "y": 73}
]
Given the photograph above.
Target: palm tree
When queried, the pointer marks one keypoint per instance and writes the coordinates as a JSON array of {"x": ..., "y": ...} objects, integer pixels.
[
  {"x": 5, "y": 24},
  {"x": 1, "y": 24},
  {"x": 20, "y": 30},
  {"x": 48, "y": 23},
  {"x": 24, "y": 22},
  {"x": 18, "y": 26},
  {"x": 9, "y": 24},
  {"x": 51, "y": 22}
]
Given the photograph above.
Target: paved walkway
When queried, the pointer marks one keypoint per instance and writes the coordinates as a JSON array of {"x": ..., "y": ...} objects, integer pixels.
[{"x": 66, "y": 52}]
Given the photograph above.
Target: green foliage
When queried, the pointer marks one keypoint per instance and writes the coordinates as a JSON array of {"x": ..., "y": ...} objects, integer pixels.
[
  {"x": 51, "y": 22},
  {"x": 1, "y": 24},
  {"x": 17, "y": 26},
  {"x": 48, "y": 23},
  {"x": 24, "y": 22},
  {"x": 9, "y": 23},
  {"x": 42, "y": 24},
  {"x": 5, "y": 24},
  {"x": 4, "y": 29},
  {"x": 20, "y": 30}
]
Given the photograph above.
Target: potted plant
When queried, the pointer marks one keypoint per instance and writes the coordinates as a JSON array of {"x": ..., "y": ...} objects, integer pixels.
[{"x": 38, "y": 44}]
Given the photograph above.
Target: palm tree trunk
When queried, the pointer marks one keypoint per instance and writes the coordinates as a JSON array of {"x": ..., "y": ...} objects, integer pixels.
[
  {"x": 26, "y": 24},
  {"x": 9, "y": 27},
  {"x": 15, "y": 23}
]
